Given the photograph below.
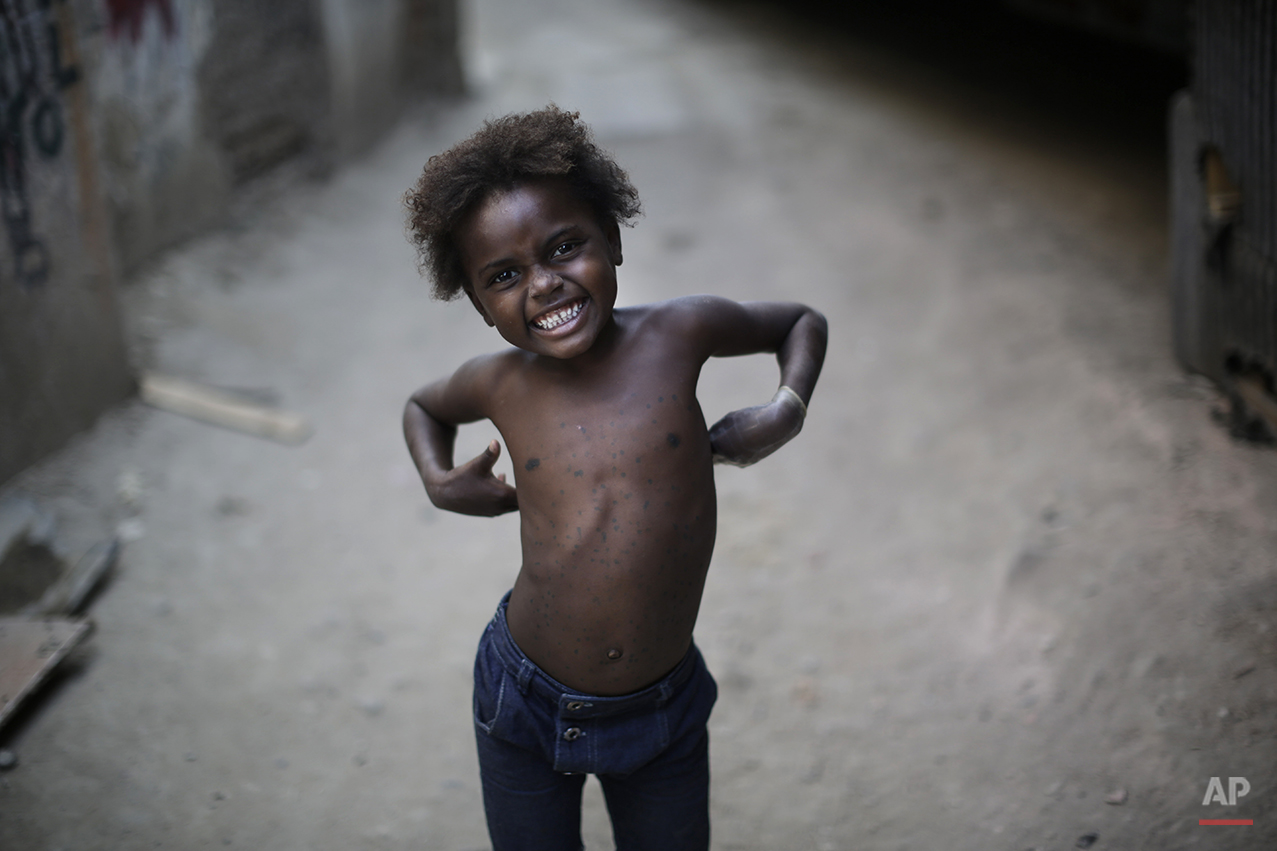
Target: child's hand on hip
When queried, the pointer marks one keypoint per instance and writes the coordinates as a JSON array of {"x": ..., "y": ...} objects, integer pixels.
[
  {"x": 470, "y": 488},
  {"x": 751, "y": 434}
]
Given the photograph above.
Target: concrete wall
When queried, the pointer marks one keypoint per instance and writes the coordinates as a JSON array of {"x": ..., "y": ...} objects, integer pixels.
[
  {"x": 194, "y": 97},
  {"x": 164, "y": 177},
  {"x": 381, "y": 52},
  {"x": 61, "y": 351},
  {"x": 128, "y": 126}
]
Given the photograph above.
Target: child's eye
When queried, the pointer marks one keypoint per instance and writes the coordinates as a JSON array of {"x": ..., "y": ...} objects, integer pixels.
[
  {"x": 503, "y": 277},
  {"x": 565, "y": 248}
]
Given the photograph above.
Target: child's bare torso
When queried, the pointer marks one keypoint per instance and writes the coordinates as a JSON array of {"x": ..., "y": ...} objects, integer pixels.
[{"x": 616, "y": 496}]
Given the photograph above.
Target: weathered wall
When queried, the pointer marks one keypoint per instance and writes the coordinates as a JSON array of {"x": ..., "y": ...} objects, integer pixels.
[
  {"x": 430, "y": 60},
  {"x": 194, "y": 97},
  {"x": 381, "y": 52},
  {"x": 165, "y": 178},
  {"x": 61, "y": 350},
  {"x": 263, "y": 84},
  {"x": 364, "y": 93},
  {"x": 127, "y": 126}
]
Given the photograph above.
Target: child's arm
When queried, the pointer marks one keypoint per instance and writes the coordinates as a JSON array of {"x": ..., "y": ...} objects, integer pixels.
[
  {"x": 797, "y": 334},
  {"x": 430, "y": 423}
]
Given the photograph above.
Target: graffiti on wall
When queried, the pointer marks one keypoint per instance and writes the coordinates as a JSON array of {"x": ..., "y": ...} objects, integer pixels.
[
  {"x": 32, "y": 73},
  {"x": 128, "y": 16}
]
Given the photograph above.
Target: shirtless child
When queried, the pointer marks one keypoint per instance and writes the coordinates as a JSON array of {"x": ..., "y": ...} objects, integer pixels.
[{"x": 588, "y": 666}]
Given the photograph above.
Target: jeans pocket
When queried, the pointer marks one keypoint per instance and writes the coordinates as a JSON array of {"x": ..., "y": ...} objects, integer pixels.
[
  {"x": 490, "y": 679},
  {"x": 488, "y": 699}
]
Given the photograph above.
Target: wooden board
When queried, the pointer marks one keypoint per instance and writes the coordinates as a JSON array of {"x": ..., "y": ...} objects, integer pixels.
[
  {"x": 218, "y": 407},
  {"x": 29, "y": 650}
]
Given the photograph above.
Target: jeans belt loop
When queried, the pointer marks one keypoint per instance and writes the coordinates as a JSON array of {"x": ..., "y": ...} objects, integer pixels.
[{"x": 526, "y": 670}]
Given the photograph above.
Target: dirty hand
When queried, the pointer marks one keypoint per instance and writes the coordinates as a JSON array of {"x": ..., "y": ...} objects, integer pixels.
[
  {"x": 470, "y": 488},
  {"x": 751, "y": 434}
]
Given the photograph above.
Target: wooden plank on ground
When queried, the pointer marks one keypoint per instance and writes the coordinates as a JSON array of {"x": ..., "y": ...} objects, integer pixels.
[
  {"x": 29, "y": 650},
  {"x": 218, "y": 407}
]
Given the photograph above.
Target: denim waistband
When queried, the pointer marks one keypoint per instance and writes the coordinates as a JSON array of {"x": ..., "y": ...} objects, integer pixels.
[{"x": 573, "y": 703}]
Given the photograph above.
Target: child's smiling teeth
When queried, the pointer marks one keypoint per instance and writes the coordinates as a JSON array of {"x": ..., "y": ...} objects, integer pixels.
[{"x": 553, "y": 320}]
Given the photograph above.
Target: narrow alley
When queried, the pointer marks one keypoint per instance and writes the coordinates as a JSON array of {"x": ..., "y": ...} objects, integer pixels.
[{"x": 1011, "y": 586}]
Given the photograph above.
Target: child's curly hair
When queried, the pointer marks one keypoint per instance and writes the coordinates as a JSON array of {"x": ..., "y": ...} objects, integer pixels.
[{"x": 506, "y": 152}]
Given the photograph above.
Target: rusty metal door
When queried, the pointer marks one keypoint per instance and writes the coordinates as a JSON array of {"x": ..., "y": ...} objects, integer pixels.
[{"x": 1223, "y": 168}]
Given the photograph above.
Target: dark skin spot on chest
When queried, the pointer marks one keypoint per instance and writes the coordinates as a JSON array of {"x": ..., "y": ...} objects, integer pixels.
[
  {"x": 532, "y": 464},
  {"x": 673, "y": 440}
]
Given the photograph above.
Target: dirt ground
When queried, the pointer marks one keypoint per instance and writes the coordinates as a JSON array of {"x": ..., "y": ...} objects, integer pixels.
[{"x": 1010, "y": 568}]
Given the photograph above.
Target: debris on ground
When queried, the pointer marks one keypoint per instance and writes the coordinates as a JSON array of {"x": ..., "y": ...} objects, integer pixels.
[
  {"x": 28, "y": 562},
  {"x": 222, "y": 408},
  {"x": 70, "y": 594},
  {"x": 29, "y": 651}
]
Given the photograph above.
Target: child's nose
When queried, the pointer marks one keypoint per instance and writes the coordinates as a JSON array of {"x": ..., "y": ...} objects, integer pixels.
[{"x": 544, "y": 281}]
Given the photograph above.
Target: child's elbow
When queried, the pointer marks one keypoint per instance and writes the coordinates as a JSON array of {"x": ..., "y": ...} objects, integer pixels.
[
  {"x": 818, "y": 324},
  {"x": 411, "y": 410}
]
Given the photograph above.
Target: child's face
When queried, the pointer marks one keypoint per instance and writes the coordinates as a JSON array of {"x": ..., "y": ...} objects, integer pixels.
[{"x": 541, "y": 269}]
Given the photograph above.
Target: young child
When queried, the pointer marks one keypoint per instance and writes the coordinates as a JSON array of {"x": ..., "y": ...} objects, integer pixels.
[{"x": 588, "y": 666}]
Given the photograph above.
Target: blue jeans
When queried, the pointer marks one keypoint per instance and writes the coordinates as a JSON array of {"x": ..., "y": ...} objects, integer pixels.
[{"x": 538, "y": 739}]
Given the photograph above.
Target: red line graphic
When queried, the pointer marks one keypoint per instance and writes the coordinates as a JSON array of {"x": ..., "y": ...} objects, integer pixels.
[{"x": 1225, "y": 821}]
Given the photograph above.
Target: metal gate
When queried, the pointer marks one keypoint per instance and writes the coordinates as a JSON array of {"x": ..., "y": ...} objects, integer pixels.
[{"x": 1223, "y": 164}]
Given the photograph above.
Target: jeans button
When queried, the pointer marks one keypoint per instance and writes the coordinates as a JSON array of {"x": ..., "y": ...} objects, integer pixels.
[
  {"x": 572, "y": 733},
  {"x": 575, "y": 705}
]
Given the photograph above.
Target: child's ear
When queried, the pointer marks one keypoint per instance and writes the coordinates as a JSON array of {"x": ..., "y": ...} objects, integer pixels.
[
  {"x": 612, "y": 233},
  {"x": 479, "y": 307}
]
